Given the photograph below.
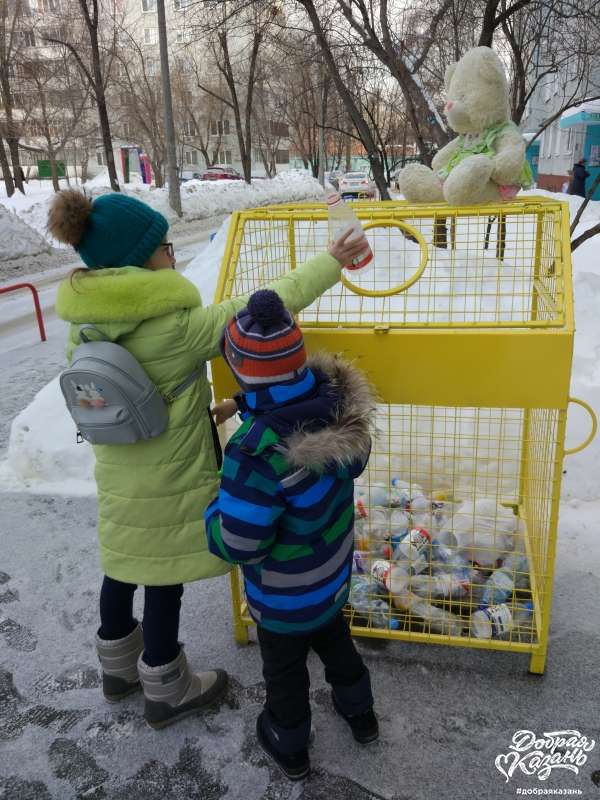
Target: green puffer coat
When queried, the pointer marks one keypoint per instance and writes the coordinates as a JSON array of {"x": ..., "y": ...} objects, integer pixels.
[{"x": 152, "y": 494}]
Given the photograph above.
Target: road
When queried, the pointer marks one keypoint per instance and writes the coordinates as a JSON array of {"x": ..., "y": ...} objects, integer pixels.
[{"x": 17, "y": 319}]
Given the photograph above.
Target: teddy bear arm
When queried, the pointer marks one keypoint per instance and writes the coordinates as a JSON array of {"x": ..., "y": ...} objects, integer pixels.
[
  {"x": 443, "y": 156},
  {"x": 509, "y": 158}
]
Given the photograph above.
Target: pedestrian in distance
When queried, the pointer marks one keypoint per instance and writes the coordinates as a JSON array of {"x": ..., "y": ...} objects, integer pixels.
[{"x": 580, "y": 175}]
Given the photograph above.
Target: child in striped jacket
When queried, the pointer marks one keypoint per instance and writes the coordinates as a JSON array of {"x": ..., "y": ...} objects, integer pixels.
[{"x": 285, "y": 512}]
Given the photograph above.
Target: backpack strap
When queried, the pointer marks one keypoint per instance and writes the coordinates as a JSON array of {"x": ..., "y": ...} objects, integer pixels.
[
  {"x": 85, "y": 338},
  {"x": 170, "y": 397}
]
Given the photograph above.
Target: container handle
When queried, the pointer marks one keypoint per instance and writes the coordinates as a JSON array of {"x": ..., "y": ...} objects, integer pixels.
[
  {"x": 571, "y": 450},
  {"x": 402, "y": 287}
]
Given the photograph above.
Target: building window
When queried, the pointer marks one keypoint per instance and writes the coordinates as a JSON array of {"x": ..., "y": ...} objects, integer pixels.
[
  {"x": 148, "y": 6},
  {"x": 187, "y": 97},
  {"x": 124, "y": 98},
  {"x": 183, "y": 36},
  {"x": 282, "y": 157},
  {"x": 225, "y": 157},
  {"x": 219, "y": 127},
  {"x": 189, "y": 128},
  {"x": 191, "y": 157},
  {"x": 179, "y": 4},
  {"x": 47, "y": 5},
  {"x": 100, "y": 159},
  {"x": 569, "y": 141},
  {"x": 279, "y": 129},
  {"x": 28, "y": 38},
  {"x": 150, "y": 36},
  {"x": 151, "y": 67}
]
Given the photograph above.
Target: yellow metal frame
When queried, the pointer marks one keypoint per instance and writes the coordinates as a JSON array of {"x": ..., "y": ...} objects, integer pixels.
[
  {"x": 411, "y": 231},
  {"x": 513, "y": 364}
]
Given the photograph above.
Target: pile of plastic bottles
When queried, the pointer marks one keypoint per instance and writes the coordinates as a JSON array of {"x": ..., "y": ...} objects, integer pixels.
[{"x": 418, "y": 554}]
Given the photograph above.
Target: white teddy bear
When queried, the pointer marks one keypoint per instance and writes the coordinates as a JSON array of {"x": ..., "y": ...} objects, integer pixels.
[{"x": 486, "y": 162}]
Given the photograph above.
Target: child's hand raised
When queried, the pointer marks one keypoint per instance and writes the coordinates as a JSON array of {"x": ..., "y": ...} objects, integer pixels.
[
  {"x": 223, "y": 411},
  {"x": 347, "y": 246}
]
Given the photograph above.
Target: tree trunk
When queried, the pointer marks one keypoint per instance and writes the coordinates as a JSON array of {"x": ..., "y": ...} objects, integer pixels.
[
  {"x": 53, "y": 168},
  {"x": 6, "y": 173},
  {"x": 355, "y": 115},
  {"x": 13, "y": 147},
  {"x": 102, "y": 110},
  {"x": 348, "y": 154},
  {"x": 174, "y": 192}
]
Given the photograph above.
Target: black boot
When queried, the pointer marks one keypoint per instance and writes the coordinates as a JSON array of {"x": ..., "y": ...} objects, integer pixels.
[
  {"x": 286, "y": 746},
  {"x": 365, "y": 727},
  {"x": 355, "y": 704}
]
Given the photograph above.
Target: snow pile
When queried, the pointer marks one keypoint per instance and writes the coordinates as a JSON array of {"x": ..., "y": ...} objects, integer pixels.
[
  {"x": 199, "y": 199},
  {"x": 42, "y": 445},
  {"x": 43, "y": 455},
  {"x": 17, "y": 239}
]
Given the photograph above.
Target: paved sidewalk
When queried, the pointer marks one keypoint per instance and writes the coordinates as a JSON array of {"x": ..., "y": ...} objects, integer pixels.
[{"x": 446, "y": 713}]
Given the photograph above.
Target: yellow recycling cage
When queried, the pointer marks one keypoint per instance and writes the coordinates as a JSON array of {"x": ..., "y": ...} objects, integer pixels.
[{"x": 469, "y": 347}]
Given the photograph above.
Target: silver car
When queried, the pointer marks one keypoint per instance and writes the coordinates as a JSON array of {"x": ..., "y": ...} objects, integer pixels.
[{"x": 356, "y": 184}]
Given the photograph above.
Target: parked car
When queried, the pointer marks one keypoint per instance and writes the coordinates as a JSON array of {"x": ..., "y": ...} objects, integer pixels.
[
  {"x": 195, "y": 176},
  {"x": 220, "y": 172},
  {"x": 356, "y": 184}
]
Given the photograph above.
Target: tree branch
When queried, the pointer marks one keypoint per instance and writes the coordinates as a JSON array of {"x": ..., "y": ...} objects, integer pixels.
[{"x": 585, "y": 236}]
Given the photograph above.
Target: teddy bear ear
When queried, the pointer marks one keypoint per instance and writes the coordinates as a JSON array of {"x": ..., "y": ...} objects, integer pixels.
[
  {"x": 490, "y": 66},
  {"x": 450, "y": 70}
]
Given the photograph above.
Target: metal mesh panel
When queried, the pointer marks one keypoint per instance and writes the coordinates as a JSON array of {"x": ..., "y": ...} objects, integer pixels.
[{"x": 481, "y": 270}]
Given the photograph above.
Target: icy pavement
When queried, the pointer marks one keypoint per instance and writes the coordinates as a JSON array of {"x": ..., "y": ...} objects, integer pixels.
[{"x": 446, "y": 713}]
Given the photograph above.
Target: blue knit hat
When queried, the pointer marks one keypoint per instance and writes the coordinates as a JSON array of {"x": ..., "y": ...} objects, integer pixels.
[{"x": 113, "y": 231}]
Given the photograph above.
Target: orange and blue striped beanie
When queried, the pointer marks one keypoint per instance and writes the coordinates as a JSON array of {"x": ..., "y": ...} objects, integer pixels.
[{"x": 262, "y": 344}]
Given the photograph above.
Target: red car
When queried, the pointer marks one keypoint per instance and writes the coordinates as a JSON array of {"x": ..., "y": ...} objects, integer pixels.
[{"x": 221, "y": 173}]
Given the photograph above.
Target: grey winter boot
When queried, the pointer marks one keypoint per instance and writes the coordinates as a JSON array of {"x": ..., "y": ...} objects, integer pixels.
[
  {"x": 118, "y": 658},
  {"x": 172, "y": 691}
]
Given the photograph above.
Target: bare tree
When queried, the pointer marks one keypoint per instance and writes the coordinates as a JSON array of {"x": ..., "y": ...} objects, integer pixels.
[
  {"x": 94, "y": 61},
  {"x": 174, "y": 192},
  {"x": 14, "y": 37}
]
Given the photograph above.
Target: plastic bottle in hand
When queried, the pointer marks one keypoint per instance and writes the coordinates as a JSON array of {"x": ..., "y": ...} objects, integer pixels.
[{"x": 342, "y": 218}]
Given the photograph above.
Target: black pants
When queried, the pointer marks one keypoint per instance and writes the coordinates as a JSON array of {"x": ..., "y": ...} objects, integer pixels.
[
  {"x": 286, "y": 674},
  {"x": 162, "y": 605}
]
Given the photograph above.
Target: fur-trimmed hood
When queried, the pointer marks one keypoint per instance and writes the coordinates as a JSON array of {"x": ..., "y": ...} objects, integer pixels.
[
  {"x": 126, "y": 294},
  {"x": 347, "y": 438}
]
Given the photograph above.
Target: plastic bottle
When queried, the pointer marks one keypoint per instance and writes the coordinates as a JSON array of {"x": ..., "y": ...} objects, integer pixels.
[
  {"x": 415, "y": 545},
  {"x": 442, "y": 585},
  {"x": 393, "y": 576},
  {"x": 497, "y": 622},
  {"x": 503, "y": 581},
  {"x": 438, "y": 620},
  {"x": 341, "y": 218},
  {"x": 367, "y": 604}
]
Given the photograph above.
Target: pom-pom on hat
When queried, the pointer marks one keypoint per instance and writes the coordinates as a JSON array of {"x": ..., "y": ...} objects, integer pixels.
[
  {"x": 113, "y": 231},
  {"x": 262, "y": 344}
]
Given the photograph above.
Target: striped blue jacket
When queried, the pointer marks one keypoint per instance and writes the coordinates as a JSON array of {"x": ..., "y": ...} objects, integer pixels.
[{"x": 285, "y": 509}]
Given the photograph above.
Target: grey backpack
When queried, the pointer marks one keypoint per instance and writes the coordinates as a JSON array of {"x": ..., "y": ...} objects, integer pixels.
[{"x": 110, "y": 396}]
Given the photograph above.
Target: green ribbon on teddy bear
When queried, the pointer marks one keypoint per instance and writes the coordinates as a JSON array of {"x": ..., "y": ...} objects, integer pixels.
[{"x": 484, "y": 145}]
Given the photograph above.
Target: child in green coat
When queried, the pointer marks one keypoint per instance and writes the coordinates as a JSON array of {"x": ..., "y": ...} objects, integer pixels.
[{"x": 152, "y": 494}]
